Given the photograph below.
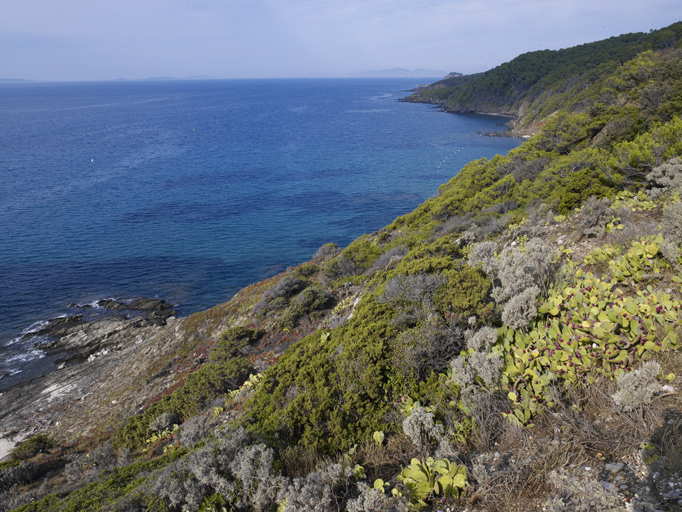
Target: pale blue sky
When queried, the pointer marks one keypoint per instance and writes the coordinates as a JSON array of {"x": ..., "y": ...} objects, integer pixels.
[{"x": 96, "y": 40}]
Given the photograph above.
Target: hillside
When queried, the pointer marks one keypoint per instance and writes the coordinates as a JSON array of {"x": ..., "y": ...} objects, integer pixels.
[
  {"x": 535, "y": 84},
  {"x": 511, "y": 344}
]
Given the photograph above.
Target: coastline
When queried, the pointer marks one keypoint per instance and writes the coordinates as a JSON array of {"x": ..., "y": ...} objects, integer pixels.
[
  {"x": 45, "y": 338},
  {"x": 98, "y": 358}
]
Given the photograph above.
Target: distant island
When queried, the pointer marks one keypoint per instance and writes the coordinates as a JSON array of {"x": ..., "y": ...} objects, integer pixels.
[
  {"x": 164, "y": 78},
  {"x": 399, "y": 73}
]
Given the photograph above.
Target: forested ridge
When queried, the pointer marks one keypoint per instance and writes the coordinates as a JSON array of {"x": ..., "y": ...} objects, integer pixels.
[
  {"x": 511, "y": 344},
  {"x": 572, "y": 77}
]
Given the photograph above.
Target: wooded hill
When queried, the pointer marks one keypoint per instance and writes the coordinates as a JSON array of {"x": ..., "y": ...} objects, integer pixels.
[
  {"x": 511, "y": 344},
  {"x": 535, "y": 84}
]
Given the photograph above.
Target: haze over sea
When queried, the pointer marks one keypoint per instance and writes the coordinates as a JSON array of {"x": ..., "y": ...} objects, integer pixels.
[{"x": 191, "y": 190}]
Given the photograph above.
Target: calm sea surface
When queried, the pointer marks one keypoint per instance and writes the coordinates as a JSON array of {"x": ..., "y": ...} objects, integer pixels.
[{"x": 189, "y": 191}]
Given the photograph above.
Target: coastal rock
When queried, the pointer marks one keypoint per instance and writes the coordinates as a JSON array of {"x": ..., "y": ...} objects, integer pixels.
[
  {"x": 139, "y": 304},
  {"x": 64, "y": 403},
  {"x": 112, "y": 304},
  {"x": 144, "y": 304},
  {"x": 57, "y": 327}
]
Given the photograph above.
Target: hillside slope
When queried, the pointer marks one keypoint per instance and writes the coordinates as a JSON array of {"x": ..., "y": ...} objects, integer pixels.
[
  {"x": 535, "y": 84},
  {"x": 511, "y": 344}
]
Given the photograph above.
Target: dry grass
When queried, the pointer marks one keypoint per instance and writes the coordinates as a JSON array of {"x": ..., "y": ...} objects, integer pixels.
[
  {"x": 387, "y": 460},
  {"x": 669, "y": 441},
  {"x": 486, "y": 410},
  {"x": 586, "y": 427},
  {"x": 298, "y": 461}
]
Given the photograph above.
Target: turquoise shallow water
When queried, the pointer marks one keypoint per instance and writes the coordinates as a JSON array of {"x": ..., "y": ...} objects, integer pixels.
[{"x": 191, "y": 190}]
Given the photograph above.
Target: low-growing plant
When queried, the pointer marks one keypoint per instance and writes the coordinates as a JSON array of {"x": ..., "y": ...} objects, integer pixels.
[
  {"x": 671, "y": 223},
  {"x": 163, "y": 421},
  {"x": 307, "y": 270},
  {"x": 250, "y": 385},
  {"x": 259, "y": 485},
  {"x": 339, "y": 268},
  {"x": 431, "y": 478},
  {"x": 373, "y": 499},
  {"x": 331, "y": 394},
  {"x": 666, "y": 177},
  {"x": 466, "y": 293},
  {"x": 326, "y": 489},
  {"x": 392, "y": 255},
  {"x": 186, "y": 482},
  {"x": 226, "y": 371},
  {"x": 161, "y": 437},
  {"x": 601, "y": 254},
  {"x": 483, "y": 339},
  {"x": 426, "y": 348},
  {"x": 580, "y": 493},
  {"x": 119, "y": 489},
  {"x": 20, "y": 474},
  {"x": 593, "y": 217},
  {"x": 476, "y": 369},
  {"x": 632, "y": 201},
  {"x": 639, "y": 261},
  {"x": 278, "y": 296},
  {"x": 286, "y": 287},
  {"x": 584, "y": 330},
  {"x": 422, "y": 429},
  {"x": 521, "y": 309},
  {"x": 405, "y": 291},
  {"x": 362, "y": 252},
  {"x": 638, "y": 387}
]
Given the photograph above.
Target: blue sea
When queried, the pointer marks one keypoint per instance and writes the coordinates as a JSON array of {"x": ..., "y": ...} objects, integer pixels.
[{"x": 191, "y": 190}]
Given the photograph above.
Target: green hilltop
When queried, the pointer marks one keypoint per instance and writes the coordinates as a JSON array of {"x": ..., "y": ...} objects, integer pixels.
[
  {"x": 535, "y": 84},
  {"x": 512, "y": 343}
]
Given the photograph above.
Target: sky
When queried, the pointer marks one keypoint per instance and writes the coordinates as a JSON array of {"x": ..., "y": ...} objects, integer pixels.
[{"x": 73, "y": 40}]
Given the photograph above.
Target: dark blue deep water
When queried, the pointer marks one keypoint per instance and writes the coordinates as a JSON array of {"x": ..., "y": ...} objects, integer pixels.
[{"x": 189, "y": 191}]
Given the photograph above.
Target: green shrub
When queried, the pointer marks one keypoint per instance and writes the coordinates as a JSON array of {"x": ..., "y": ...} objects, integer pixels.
[
  {"x": 32, "y": 446},
  {"x": 362, "y": 252},
  {"x": 309, "y": 302},
  {"x": 307, "y": 270},
  {"x": 466, "y": 294},
  {"x": 111, "y": 490},
  {"x": 227, "y": 370},
  {"x": 578, "y": 186},
  {"x": 232, "y": 341},
  {"x": 328, "y": 391},
  {"x": 340, "y": 268}
]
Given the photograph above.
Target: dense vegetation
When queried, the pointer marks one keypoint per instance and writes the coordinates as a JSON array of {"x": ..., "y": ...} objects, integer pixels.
[
  {"x": 536, "y": 84},
  {"x": 522, "y": 324}
]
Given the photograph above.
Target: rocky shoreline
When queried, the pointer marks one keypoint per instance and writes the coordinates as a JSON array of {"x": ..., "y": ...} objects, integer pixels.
[{"x": 87, "y": 353}]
